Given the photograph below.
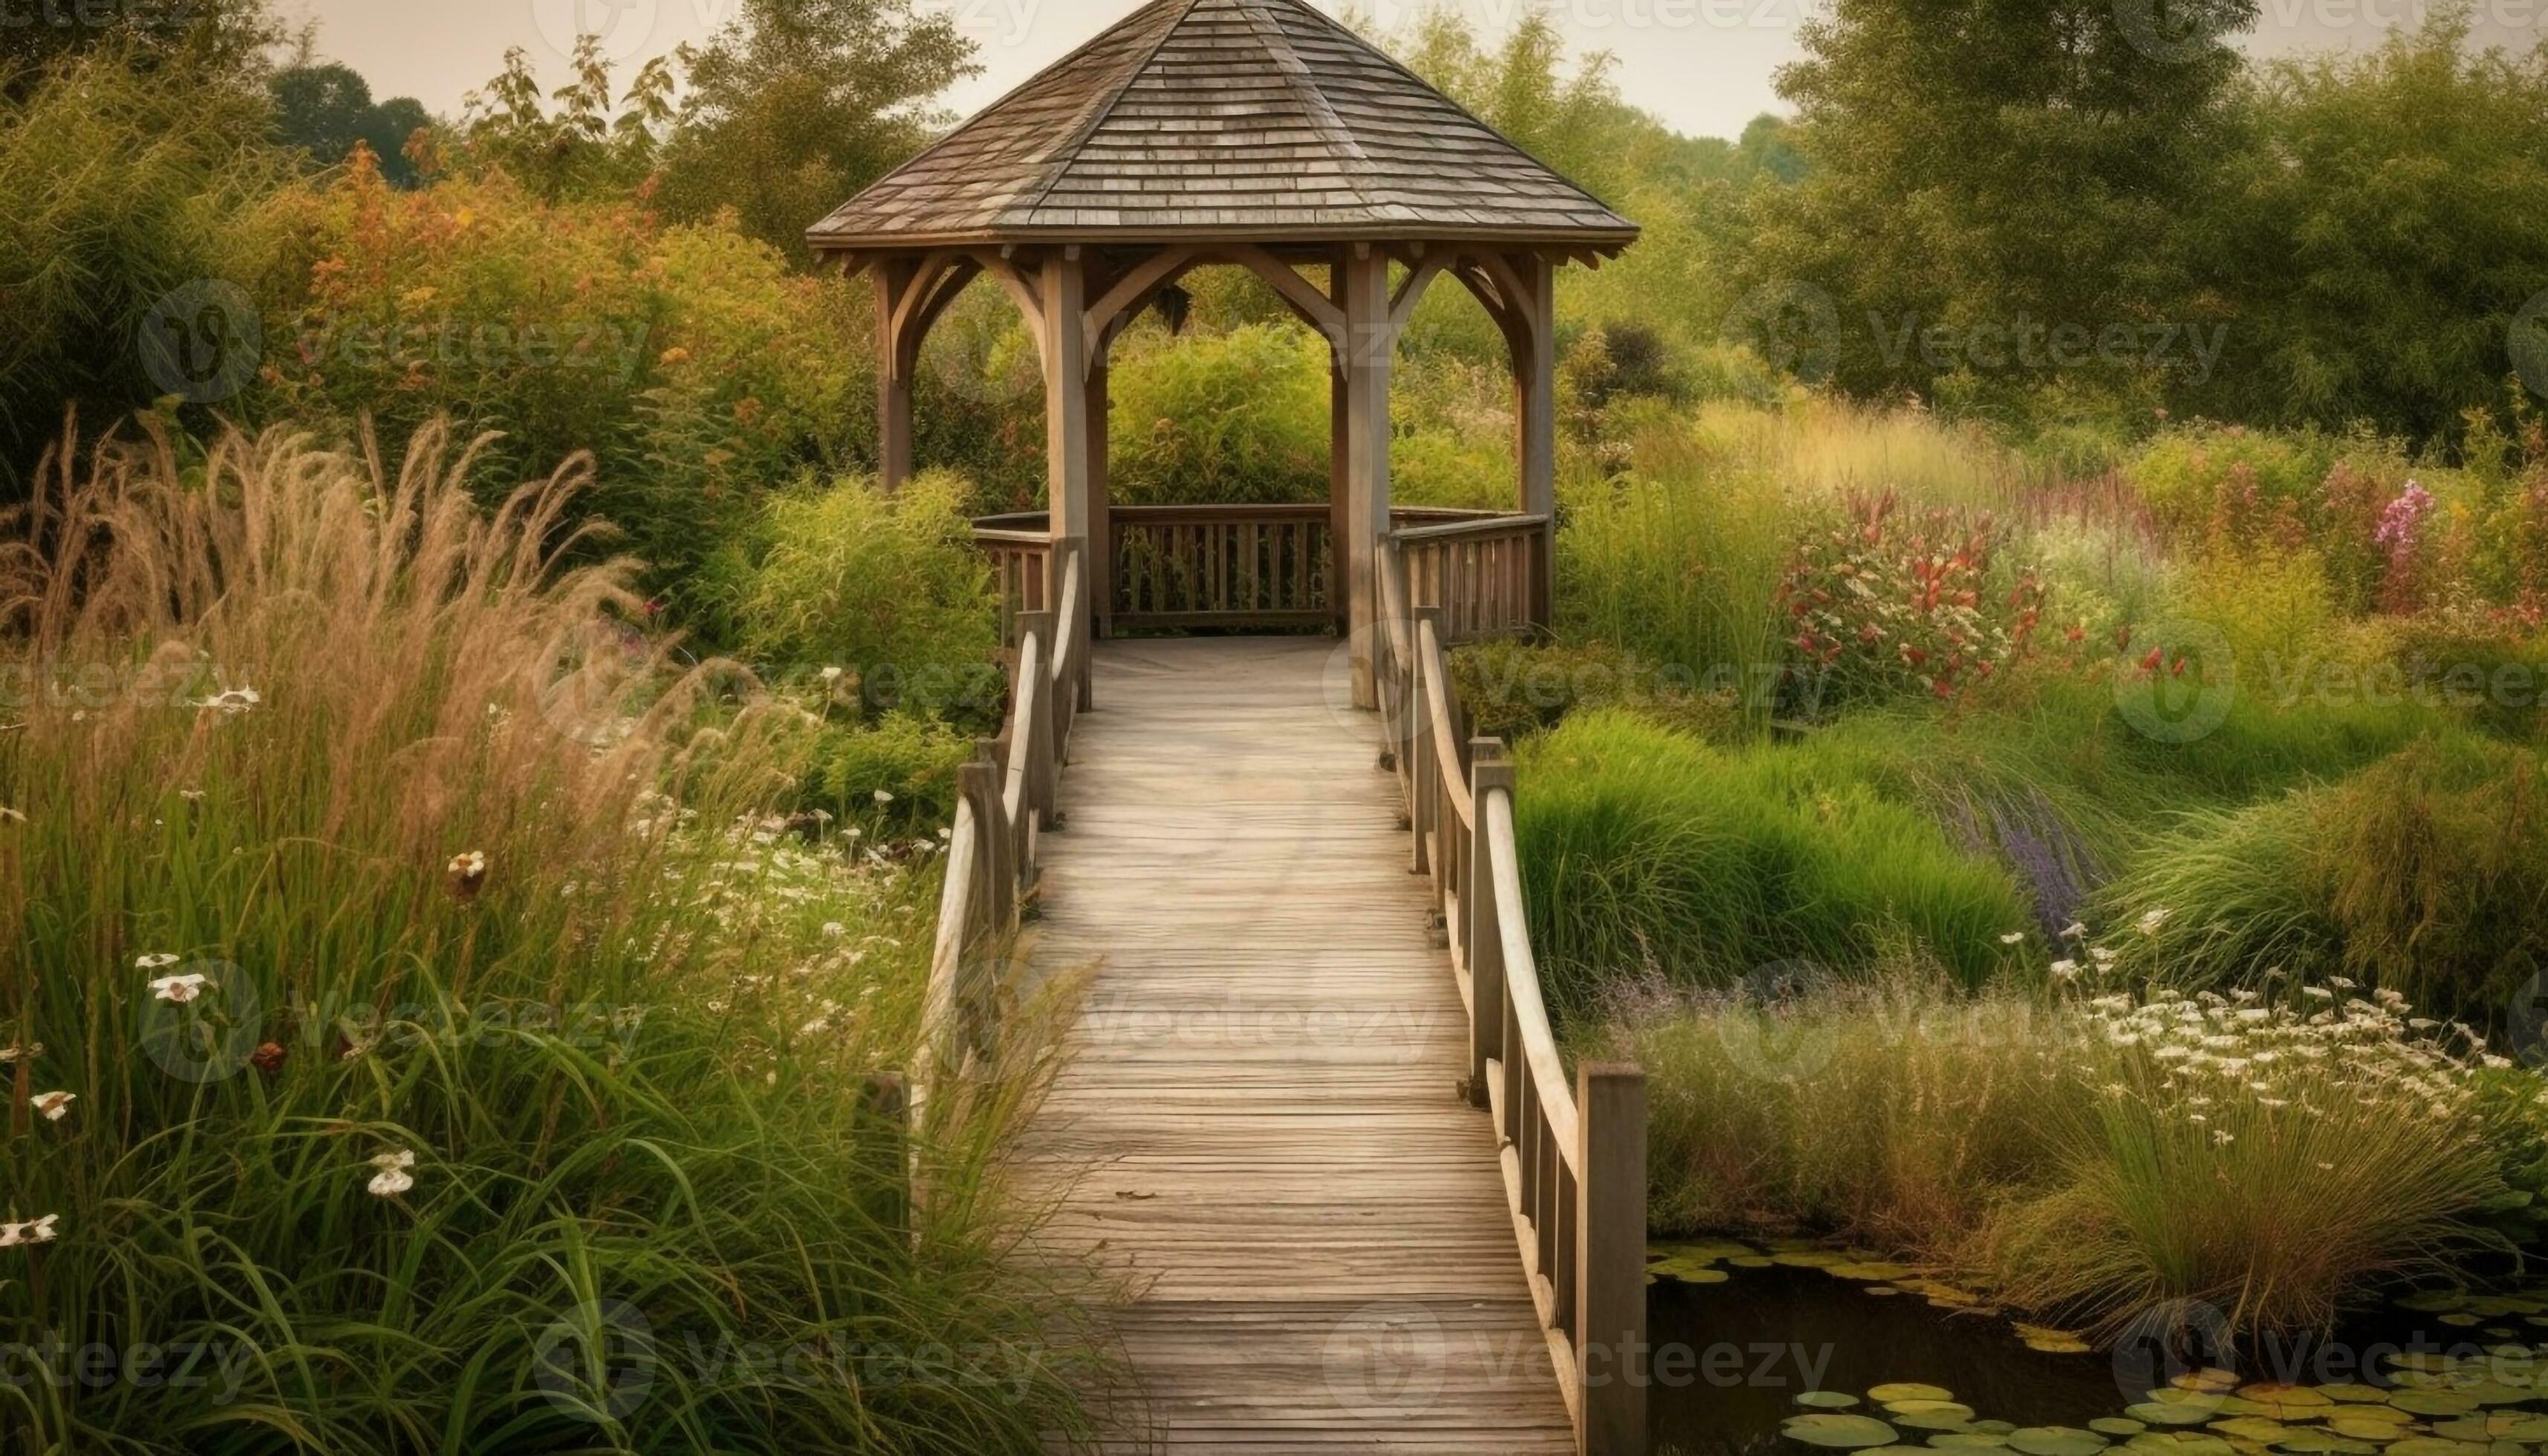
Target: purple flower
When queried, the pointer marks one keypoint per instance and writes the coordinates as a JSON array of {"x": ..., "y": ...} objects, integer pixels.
[{"x": 2399, "y": 521}]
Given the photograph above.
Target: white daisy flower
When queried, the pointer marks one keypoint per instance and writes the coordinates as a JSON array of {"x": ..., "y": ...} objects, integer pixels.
[
  {"x": 52, "y": 1105},
  {"x": 392, "y": 1176},
  {"x": 36, "y": 1230},
  {"x": 181, "y": 989}
]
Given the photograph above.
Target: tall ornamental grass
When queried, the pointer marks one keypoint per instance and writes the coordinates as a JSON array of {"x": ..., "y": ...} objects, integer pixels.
[
  {"x": 413, "y": 1032},
  {"x": 2090, "y": 1157}
]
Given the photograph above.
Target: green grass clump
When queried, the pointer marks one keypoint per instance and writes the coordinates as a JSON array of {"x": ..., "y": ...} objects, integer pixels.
[
  {"x": 1642, "y": 846},
  {"x": 2087, "y": 1156},
  {"x": 381, "y": 1032}
]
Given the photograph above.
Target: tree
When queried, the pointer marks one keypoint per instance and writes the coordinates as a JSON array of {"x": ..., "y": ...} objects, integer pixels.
[
  {"x": 796, "y": 105},
  {"x": 2383, "y": 236},
  {"x": 1995, "y": 190},
  {"x": 589, "y": 145},
  {"x": 324, "y": 109}
]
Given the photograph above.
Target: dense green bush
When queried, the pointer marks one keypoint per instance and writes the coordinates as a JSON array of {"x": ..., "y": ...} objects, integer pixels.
[
  {"x": 1231, "y": 418},
  {"x": 1644, "y": 847},
  {"x": 1510, "y": 688},
  {"x": 122, "y": 189},
  {"x": 690, "y": 361},
  {"x": 886, "y": 591},
  {"x": 893, "y": 777}
]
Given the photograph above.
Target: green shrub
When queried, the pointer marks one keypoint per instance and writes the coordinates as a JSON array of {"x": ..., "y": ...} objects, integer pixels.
[
  {"x": 696, "y": 367},
  {"x": 1236, "y": 418},
  {"x": 2426, "y": 874},
  {"x": 427, "y": 1062},
  {"x": 122, "y": 189},
  {"x": 1642, "y": 846},
  {"x": 892, "y": 778},
  {"x": 888, "y": 588}
]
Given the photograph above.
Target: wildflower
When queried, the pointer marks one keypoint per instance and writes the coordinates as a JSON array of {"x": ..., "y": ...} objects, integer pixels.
[
  {"x": 178, "y": 990},
  {"x": 2317, "y": 993},
  {"x": 468, "y": 874},
  {"x": 152, "y": 962},
  {"x": 830, "y": 675},
  {"x": 38, "y": 1231},
  {"x": 268, "y": 1058},
  {"x": 231, "y": 701},
  {"x": 882, "y": 797},
  {"x": 2012, "y": 938},
  {"x": 11, "y": 815},
  {"x": 833, "y": 928},
  {"x": 191, "y": 796},
  {"x": 393, "y": 1177},
  {"x": 2065, "y": 970},
  {"x": 2223, "y": 1134},
  {"x": 2151, "y": 919},
  {"x": 53, "y": 1106},
  {"x": 12, "y": 1056},
  {"x": 2074, "y": 930}
]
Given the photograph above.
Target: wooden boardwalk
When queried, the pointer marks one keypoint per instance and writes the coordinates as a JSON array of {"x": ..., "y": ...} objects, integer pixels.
[{"x": 1260, "y": 1127}]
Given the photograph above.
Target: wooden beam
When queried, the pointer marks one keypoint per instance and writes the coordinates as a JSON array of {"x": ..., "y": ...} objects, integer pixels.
[
  {"x": 1535, "y": 400},
  {"x": 1062, "y": 291},
  {"x": 1339, "y": 460},
  {"x": 1311, "y": 305},
  {"x": 1410, "y": 292},
  {"x": 1099, "y": 566},
  {"x": 1370, "y": 347},
  {"x": 1145, "y": 278},
  {"x": 1022, "y": 289},
  {"x": 893, "y": 277}
]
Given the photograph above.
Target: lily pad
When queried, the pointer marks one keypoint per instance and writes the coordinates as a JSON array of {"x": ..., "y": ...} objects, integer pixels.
[
  {"x": 1967, "y": 1440},
  {"x": 1707, "y": 1250},
  {"x": 2433, "y": 1403},
  {"x": 2433, "y": 1446},
  {"x": 2252, "y": 1429},
  {"x": 1929, "y": 1415},
  {"x": 2356, "y": 1429},
  {"x": 2210, "y": 1378},
  {"x": 2435, "y": 1301},
  {"x": 2179, "y": 1443},
  {"x": 2354, "y": 1394},
  {"x": 1690, "y": 1271},
  {"x": 2116, "y": 1425},
  {"x": 1871, "y": 1271},
  {"x": 1827, "y": 1400},
  {"x": 2502, "y": 1425},
  {"x": 1908, "y": 1390},
  {"x": 2048, "y": 1341},
  {"x": 2056, "y": 1440},
  {"x": 1749, "y": 1261},
  {"x": 1808, "y": 1258},
  {"x": 2323, "y": 1444},
  {"x": 1838, "y": 1431}
]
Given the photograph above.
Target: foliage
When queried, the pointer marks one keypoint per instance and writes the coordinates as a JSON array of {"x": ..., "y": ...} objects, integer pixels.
[
  {"x": 891, "y": 778},
  {"x": 1642, "y": 846},
  {"x": 1881, "y": 604},
  {"x": 889, "y": 590},
  {"x": 326, "y": 109},
  {"x": 2091, "y": 1158},
  {"x": 2378, "y": 239},
  {"x": 424, "y": 1061},
  {"x": 1240, "y": 417},
  {"x": 1509, "y": 690},
  {"x": 690, "y": 361},
  {"x": 587, "y": 147},
  {"x": 122, "y": 182},
  {"x": 795, "y": 106}
]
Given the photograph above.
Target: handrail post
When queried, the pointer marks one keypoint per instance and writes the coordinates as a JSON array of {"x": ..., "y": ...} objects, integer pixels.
[
  {"x": 1488, "y": 773},
  {"x": 1424, "y": 805},
  {"x": 1037, "y": 627},
  {"x": 978, "y": 782},
  {"x": 1611, "y": 1356}
]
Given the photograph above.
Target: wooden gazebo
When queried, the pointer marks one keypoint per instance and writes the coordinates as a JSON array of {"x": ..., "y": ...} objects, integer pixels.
[{"x": 1264, "y": 134}]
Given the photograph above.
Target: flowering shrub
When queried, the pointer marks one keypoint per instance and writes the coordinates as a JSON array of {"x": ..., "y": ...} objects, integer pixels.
[
  {"x": 690, "y": 361},
  {"x": 1880, "y": 604},
  {"x": 2400, "y": 539}
]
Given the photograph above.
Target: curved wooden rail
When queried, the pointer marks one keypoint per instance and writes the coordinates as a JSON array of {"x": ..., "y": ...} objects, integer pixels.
[
  {"x": 1574, "y": 1156},
  {"x": 1005, "y": 802}
]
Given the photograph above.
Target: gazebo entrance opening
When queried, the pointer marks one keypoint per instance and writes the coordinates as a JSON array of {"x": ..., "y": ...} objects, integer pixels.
[{"x": 1262, "y": 135}]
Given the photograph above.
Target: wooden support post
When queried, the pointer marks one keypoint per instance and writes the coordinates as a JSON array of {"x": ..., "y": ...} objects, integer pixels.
[
  {"x": 1536, "y": 395},
  {"x": 893, "y": 277},
  {"x": 1339, "y": 459},
  {"x": 1371, "y": 344},
  {"x": 1487, "y": 773},
  {"x": 1612, "y": 1357},
  {"x": 1065, "y": 391},
  {"x": 1424, "y": 776},
  {"x": 1097, "y": 568}
]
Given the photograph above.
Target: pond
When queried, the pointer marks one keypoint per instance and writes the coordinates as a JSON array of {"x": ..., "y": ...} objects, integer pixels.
[{"x": 1789, "y": 1349}]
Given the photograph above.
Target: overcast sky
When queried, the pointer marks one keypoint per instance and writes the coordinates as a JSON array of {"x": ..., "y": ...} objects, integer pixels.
[{"x": 1705, "y": 67}]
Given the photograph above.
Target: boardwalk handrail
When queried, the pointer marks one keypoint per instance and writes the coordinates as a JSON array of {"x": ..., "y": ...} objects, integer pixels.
[
  {"x": 1267, "y": 566},
  {"x": 1573, "y": 1158},
  {"x": 1005, "y": 800}
]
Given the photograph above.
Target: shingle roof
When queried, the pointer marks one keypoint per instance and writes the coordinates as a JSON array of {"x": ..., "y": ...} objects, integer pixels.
[{"x": 1227, "y": 119}]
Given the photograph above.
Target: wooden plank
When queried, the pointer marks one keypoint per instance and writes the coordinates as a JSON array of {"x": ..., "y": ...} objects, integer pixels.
[{"x": 1260, "y": 1132}]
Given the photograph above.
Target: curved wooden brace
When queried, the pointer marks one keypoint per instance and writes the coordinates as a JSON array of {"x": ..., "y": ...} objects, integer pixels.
[
  {"x": 918, "y": 301},
  {"x": 1410, "y": 292},
  {"x": 1021, "y": 285},
  {"x": 1316, "y": 309},
  {"x": 1131, "y": 294}
]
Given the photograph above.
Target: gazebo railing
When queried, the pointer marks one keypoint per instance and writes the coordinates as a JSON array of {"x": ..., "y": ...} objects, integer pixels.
[
  {"x": 1268, "y": 566},
  {"x": 1573, "y": 1152}
]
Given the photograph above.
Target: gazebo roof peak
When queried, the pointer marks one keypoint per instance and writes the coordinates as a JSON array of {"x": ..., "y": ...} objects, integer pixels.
[{"x": 1222, "y": 120}]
